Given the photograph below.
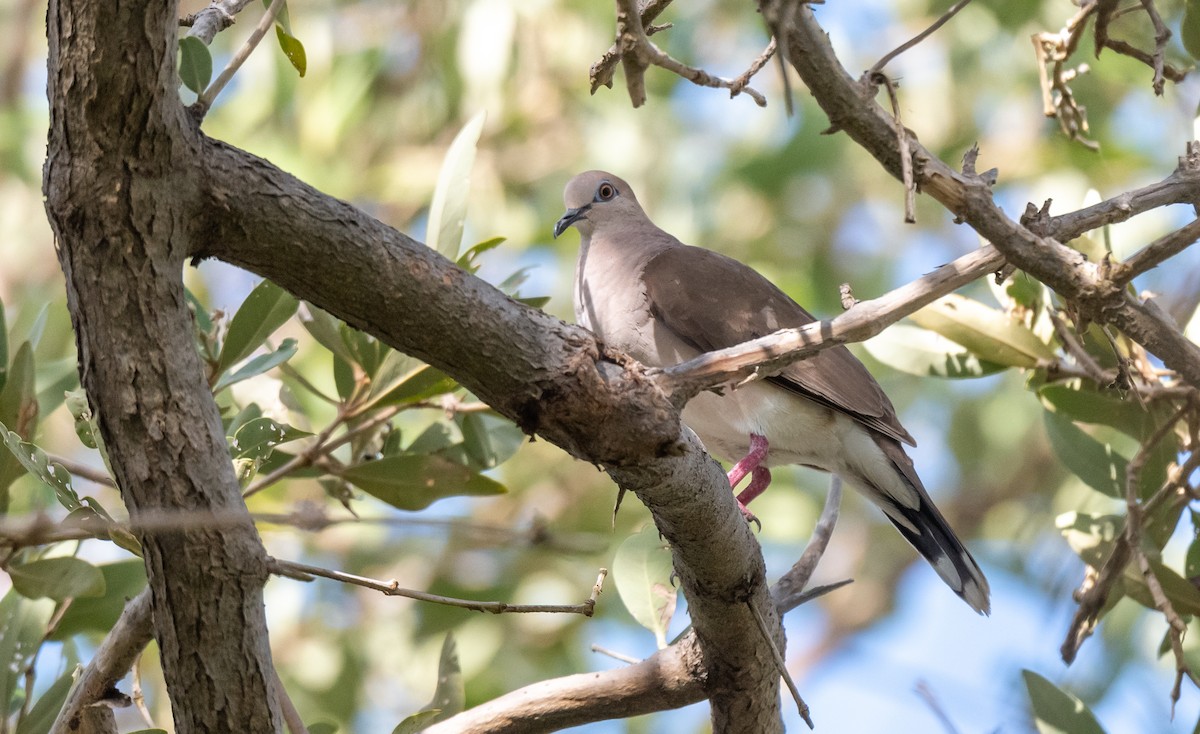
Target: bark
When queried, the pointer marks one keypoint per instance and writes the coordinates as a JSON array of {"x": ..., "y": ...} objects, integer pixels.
[{"x": 120, "y": 207}]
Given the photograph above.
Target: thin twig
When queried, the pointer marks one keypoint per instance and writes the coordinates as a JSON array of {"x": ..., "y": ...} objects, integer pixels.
[
  {"x": 291, "y": 716},
  {"x": 301, "y": 572},
  {"x": 89, "y": 473},
  {"x": 902, "y": 146},
  {"x": 878, "y": 67},
  {"x": 1162, "y": 35},
  {"x": 205, "y": 100},
  {"x": 1157, "y": 252},
  {"x": 780, "y": 665},
  {"x": 787, "y": 590},
  {"x": 616, "y": 655}
]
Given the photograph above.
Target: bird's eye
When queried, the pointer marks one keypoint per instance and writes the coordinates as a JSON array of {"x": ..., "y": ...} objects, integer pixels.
[{"x": 606, "y": 192}]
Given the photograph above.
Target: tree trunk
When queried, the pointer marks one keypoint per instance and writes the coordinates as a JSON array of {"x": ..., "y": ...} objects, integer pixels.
[{"x": 120, "y": 210}]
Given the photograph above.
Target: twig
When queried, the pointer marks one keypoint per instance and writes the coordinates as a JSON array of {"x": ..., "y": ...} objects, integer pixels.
[
  {"x": 864, "y": 320},
  {"x": 82, "y": 470},
  {"x": 637, "y": 53},
  {"x": 210, "y": 21},
  {"x": 125, "y": 641},
  {"x": 926, "y": 693},
  {"x": 291, "y": 716},
  {"x": 615, "y": 655},
  {"x": 787, "y": 590},
  {"x": 205, "y": 100},
  {"x": 1162, "y": 35},
  {"x": 906, "y": 167},
  {"x": 878, "y": 67},
  {"x": 780, "y": 665},
  {"x": 1156, "y": 253},
  {"x": 300, "y": 572}
]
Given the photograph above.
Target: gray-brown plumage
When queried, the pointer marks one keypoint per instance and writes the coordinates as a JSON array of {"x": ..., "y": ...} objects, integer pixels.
[{"x": 644, "y": 292}]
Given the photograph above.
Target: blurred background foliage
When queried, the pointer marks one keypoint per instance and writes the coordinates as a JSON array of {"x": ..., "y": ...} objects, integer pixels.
[{"x": 387, "y": 87}]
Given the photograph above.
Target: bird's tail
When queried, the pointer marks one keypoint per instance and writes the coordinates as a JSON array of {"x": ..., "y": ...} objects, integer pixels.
[{"x": 924, "y": 527}]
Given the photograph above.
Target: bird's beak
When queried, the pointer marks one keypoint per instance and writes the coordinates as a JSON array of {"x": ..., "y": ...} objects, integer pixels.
[{"x": 572, "y": 216}]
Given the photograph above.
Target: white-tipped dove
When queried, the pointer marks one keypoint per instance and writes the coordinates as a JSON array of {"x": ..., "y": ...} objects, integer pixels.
[{"x": 644, "y": 292}]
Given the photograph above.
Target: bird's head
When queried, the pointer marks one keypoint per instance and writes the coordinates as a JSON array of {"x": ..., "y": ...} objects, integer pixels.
[{"x": 596, "y": 197}]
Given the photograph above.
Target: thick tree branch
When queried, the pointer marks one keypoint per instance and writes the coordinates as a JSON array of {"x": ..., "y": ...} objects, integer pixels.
[{"x": 549, "y": 377}]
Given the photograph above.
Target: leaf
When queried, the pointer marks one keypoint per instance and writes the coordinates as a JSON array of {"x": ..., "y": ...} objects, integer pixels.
[
  {"x": 415, "y": 723},
  {"x": 258, "y": 437},
  {"x": 642, "y": 571},
  {"x": 292, "y": 49},
  {"x": 34, "y": 460},
  {"x": 3, "y": 349},
  {"x": 1096, "y": 463},
  {"x": 22, "y": 625},
  {"x": 1189, "y": 29},
  {"x": 1090, "y": 536},
  {"x": 266, "y": 309},
  {"x": 534, "y": 301},
  {"x": 433, "y": 439},
  {"x": 195, "y": 64},
  {"x": 1085, "y": 404},
  {"x": 325, "y": 329},
  {"x": 420, "y": 383},
  {"x": 81, "y": 412},
  {"x": 1056, "y": 711},
  {"x": 448, "y": 210},
  {"x": 322, "y": 727},
  {"x": 259, "y": 364},
  {"x": 926, "y": 353},
  {"x": 414, "y": 481},
  {"x": 123, "y": 580},
  {"x": 987, "y": 332},
  {"x": 18, "y": 409},
  {"x": 57, "y": 578},
  {"x": 449, "y": 697},
  {"x": 41, "y": 717},
  {"x": 469, "y": 260}
]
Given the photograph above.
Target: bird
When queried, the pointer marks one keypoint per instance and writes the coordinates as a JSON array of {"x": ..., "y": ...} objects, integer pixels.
[{"x": 642, "y": 291}]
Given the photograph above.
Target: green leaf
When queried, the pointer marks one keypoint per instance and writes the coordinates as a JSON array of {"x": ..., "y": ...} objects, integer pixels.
[
  {"x": 195, "y": 64},
  {"x": 534, "y": 301},
  {"x": 1090, "y": 536},
  {"x": 266, "y": 309},
  {"x": 292, "y": 49},
  {"x": 259, "y": 364},
  {"x": 469, "y": 260},
  {"x": 34, "y": 460},
  {"x": 258, "y": 437},
  {"x": 19, "y": 409},
  {"x": 22, "y": 625},
  {"x": 987, "y": 332},
  {"x": 365, "y": 351},
  {"x": 419, "y": 383},
  {"x": 922, "y": 352},
  {"x": 1082, "y": 402},
  {"x": 57, "y": 578},
  {"x": 642, "y": 571},
  {"x": 199, "y": 312},
  {"x": 1056, "y": 711},
  {"x": 326, "y": 330},
  {"x": 448, "y": 211},
  {"x": 41, "y": 717},
  {"x": 123, "y": 580},
  {"x": 81, "y": 412},
  {"x": 322, "y": 727},
  {"x": 417, "y": 722},
  {"x": 343, "y": 377},
  {"x": 1189, "y": 29},
  {"x": 1096, "y": 463},
  {"x": 413, "y": 482},
  {"x": 433, "y": 439},
  {"x": 3, "y": 349},
  {"x": 449, "y": 697}
]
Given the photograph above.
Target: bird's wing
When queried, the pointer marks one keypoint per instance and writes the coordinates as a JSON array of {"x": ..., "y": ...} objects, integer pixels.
[{"x": 711, "y": 301}]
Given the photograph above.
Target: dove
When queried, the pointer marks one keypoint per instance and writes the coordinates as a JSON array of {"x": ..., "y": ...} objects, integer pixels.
[{"x": 642, "y": 291}]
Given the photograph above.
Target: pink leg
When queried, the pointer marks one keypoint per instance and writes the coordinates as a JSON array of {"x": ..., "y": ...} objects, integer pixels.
[
  {"x": 757, "y": 454},
  {"x": 760, "y": 476}
]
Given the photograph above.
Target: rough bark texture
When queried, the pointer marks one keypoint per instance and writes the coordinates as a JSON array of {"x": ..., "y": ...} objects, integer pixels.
[{"x": 120, "y": 205}]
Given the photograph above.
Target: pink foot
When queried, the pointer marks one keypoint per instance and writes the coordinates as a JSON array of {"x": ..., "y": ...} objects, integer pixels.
[{"x": 760, "y": 476}]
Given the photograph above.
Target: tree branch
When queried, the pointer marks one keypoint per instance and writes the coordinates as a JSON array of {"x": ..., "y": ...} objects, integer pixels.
[
  {"x": 970, "y": 199},
  {"x": 124, "y": 642}
]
